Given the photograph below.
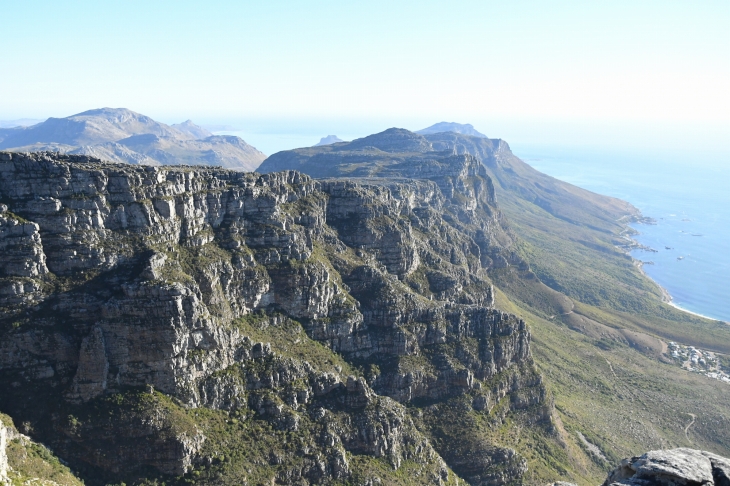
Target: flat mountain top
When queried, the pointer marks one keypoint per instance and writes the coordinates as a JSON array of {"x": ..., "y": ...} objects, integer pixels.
[
  {"x": 122, "y": 135},
  {"x": 463, "y": 128},
  {"x": 513, "y": 178},
  {"x": 328, "y": 140}
]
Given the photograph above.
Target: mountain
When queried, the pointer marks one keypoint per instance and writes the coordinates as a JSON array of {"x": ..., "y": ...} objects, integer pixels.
[
  {"x": 121, "y": 135},
  {"x": 192, "y": 129},
  {"x": 329, "y": 139},
  {"x": 528, "y": 197},
  {"x": 403, "y": 318},
  {"x": 159, "y": 319},
  {"x": 464, "y": 129},
  {"x": 594, "y": 315},
  {"x": 362, "y": 157},
  {"x": 573, "y": 238}
]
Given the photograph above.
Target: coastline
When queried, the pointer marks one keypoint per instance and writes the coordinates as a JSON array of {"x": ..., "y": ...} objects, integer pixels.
[
  {"x": 693, "y": 313},
  {"x": 646, "y": 181},
  {"x": 666, "y": 296}
]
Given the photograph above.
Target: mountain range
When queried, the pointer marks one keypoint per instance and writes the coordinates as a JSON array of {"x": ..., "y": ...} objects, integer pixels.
[
  {"x": 405, "y": 308},
  {"x": 329, "y": 139},
  {"x": 121, "y": 135},
  {"x": 461, "y": 128}
]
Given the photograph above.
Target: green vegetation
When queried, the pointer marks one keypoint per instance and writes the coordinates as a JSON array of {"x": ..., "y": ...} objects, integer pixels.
[
  {"x": 288, "y": 340},
  {"x": 31, "y": 462},
  {"x": 599, "y": 329},
  {"x": 581, "y": 260},
  {"x": 620, "y": 396}
]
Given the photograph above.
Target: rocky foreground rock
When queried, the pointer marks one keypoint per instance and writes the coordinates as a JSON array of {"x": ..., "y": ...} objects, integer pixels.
[{"x": 680, "y": 467}]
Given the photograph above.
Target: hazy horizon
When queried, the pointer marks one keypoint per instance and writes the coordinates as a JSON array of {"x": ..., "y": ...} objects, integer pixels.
[{"x": 648, "y": 75}]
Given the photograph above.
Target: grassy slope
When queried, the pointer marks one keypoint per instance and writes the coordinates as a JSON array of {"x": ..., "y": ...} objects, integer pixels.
[
  {"x": 621, "y": 400},
  {"x": 603, "y": 282},
  {"x": 598, "y": 326},
  {"x": 33, "y": 463}
]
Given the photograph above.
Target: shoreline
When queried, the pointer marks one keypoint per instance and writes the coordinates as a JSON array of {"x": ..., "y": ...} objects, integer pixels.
[
  {"x": 694, "y": 313},
  {"x": 666, "y": 296}
]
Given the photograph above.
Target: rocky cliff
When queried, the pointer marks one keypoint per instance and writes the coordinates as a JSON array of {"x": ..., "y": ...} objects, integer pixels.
[{"x": 231, "y": 327}]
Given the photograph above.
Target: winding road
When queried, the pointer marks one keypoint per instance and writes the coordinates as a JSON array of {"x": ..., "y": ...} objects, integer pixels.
[{"x": 686, "y": 429}]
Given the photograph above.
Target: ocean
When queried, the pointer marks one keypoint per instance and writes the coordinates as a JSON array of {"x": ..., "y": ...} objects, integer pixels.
[{"x": 689, "y": 198}]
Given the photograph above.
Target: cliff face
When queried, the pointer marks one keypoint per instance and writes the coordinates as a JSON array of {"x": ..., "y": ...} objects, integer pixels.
[
  {"x": 132, "y": 296},
  {"x": 517, "y": 181}
]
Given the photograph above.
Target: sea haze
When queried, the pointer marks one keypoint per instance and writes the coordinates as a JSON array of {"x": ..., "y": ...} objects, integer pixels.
[{"x": 688, "y": 198}]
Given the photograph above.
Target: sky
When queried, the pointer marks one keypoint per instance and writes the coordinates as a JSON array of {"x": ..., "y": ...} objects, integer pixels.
[{"x": 599, "y": 72}]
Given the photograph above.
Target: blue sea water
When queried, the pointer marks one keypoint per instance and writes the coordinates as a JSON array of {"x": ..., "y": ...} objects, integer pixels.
[{"x": 687, "y": 195}]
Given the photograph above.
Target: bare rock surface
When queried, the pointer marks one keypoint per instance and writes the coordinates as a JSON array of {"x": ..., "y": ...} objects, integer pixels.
[
  {"x": 680, "y": 467},
  {"x": 133, "y": 296}
]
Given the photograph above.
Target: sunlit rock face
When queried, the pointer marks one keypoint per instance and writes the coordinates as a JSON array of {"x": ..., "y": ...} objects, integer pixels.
[{"x": 116, "y": 278}]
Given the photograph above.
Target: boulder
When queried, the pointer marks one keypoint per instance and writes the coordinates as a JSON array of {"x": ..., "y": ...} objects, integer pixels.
[{"x": 680, "y": 467}]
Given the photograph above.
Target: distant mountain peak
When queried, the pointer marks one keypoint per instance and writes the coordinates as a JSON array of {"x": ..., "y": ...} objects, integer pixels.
[
  {"x": 192, "y": 129},
  {"x": 394, "y": 140},
  {"x": 463, "y": 128},
  {"x": 112, "y": 114},
  {"x": 329, "y": 140},
  {"x": 122, "y": 135}
]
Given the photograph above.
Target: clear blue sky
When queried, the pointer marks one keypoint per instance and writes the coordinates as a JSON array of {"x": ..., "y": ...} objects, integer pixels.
[{"x": 589, "y": 70}]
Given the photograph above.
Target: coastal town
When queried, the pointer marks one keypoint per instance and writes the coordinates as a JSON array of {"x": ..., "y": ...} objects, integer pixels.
[{"x": 699, "y": 361}]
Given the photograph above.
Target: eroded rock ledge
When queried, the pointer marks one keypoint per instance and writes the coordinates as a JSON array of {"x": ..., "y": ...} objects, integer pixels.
[{"x": 132, "y": 296}]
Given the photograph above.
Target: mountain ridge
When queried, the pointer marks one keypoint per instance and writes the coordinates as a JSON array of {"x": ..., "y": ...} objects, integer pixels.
[
  {"x": 326, "y": 312},
  {"x": 108, "y": 133},
  {"x": 581, "y": 292},
  {"x": 311, "y": 315},
  {"x": 462, "y": 128}
]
